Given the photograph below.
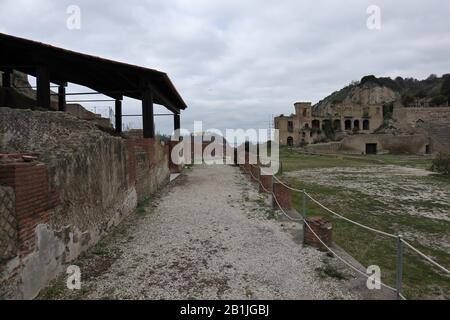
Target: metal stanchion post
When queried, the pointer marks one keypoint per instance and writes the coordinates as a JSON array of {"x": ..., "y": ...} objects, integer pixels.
[{"x": 399, "y": 279}]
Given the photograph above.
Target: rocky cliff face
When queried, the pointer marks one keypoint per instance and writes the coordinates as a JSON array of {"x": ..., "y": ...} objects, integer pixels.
[
  {"x": 370, "y": 91},
  {"x": 364, "y": 95}
]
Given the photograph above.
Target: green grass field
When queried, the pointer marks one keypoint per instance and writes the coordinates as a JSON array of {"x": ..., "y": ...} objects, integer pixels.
[{"x": 386, "y": 192}]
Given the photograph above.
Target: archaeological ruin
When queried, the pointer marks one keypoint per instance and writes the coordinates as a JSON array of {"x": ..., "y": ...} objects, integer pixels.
[
  {"x": 373, "y": 116},
  {"x": 68, "y": 175}
]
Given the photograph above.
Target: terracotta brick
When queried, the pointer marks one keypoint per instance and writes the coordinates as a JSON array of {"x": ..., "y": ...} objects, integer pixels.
[
  {"x": 266, "y": 180},
  {"x": 254, "y": 170},
  {"x": 322, "y": 228},
  {"x": 283, "y": 195},
  {"x": 174, "y": 168},
  {"x": 131, "y": 161},
  {"x": 33, "y": 199}
]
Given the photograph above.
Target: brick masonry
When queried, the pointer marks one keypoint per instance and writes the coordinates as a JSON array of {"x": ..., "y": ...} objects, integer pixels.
[
  {"x": 266, "y": 180},
  {"x": 283, "y": 196},
  {"x": 146, "y": 160},
  {"x": 9, "y": 235},
  {"x": 254, "y": 173},
  {"x": 174, "y": 168},
  {"x": 34, "y": 201},
  {"x": 131, "y": 161},
  {"x": 322, "y": 228},
  {"x": 84, "y": 182}
]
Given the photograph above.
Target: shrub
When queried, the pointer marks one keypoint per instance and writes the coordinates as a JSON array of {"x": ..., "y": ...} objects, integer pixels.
[
  {"x": 445, "y": 89},
  {"x": 441, "y": 163},
  {"x": 439, "y": 100}
]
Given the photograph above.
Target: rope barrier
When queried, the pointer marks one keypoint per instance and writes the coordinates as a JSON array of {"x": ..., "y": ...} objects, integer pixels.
[
  {"x": 345, "y": 261},
  {"x": 320, "y": 240},
  {"x": 368, "y": 228},
  {"x": 426, "y": 257},
  {"x": 335, "y": 213},
  {"x": 348, "y": 220},
  {"x": 275, "y": 198},
  {"x": 289, "y": 187}
]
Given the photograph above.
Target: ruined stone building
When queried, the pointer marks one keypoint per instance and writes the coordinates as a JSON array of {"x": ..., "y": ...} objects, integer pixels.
[
  {"x": 367, "y": 118},
  {"x": 66, "y": 174}
]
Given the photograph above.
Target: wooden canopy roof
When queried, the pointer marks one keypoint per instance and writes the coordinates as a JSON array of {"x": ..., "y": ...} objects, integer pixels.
[{"x": 112, "y": 78}]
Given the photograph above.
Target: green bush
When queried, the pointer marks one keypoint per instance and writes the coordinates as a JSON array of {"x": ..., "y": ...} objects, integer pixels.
[
  {"x": 441, "y": 163},
  {"x": 445, "y": 89},
  {"x": 439, "y": 100}
]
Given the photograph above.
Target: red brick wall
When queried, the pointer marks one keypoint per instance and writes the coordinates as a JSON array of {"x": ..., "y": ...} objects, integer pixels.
[
  {"x": 174, "y": 168},
  {"x": 137, "y": 144},
  {"x": 34, "y": 201},
  {"x": 144, "y": 159},
  {"x": 254, "y": 173},
  {"x": 322, "y": 228},
  {"x": 131, "y": 161},
  {"x": 283, "y": 195},
  {"x": 266, "y": 180},
  {"x": 146, "y": 145}
]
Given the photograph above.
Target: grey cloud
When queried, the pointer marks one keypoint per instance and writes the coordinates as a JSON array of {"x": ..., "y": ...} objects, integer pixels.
[{"x": 238, "y": 62}]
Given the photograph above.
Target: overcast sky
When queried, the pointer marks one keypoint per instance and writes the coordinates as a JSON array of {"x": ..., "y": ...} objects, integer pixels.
[{"x": 236, "y": 63}]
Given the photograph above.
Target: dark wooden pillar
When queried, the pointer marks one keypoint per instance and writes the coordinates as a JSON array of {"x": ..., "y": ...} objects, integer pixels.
[
  {"x": 6, "y": 78},
  {"x": 43, "y": 87},
  {"x": 62, "y": 97},
  {"x": 118, "y": 114},
  {"x": 176, "y": 121},
  {"x": 148, "y": 122}
]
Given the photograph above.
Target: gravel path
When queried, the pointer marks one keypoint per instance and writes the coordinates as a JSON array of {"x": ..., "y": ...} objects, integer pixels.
[{"x": 211, "y": 236}]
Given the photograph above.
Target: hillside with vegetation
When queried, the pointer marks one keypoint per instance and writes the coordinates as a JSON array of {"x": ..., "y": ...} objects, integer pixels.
[{"x": 409, "y": 92}]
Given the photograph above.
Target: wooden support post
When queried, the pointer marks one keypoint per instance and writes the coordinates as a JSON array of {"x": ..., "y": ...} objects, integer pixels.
[
  {"x": 176, "y": 121},
  {"x": 43, "y": 87},
  {"x": 62, "y": 97},
  {"x": 148, "y": 122},
  {"x": 6, "y": 78},
  {"x": 118, "y": 114},
  {"x": 176, "y": 125}
]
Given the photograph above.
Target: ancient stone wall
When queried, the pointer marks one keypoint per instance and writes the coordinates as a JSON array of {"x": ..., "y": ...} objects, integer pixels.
[
  {"x": 151, "y": 166},
  {"x": 8, "y": 224},
  {"x": 411, "y": 116},
  {"x": 83, "y": 182},
  {"x": 21, "y": 94},
  {"x": 386, "y": 143},
  {"x": 325, "y": 148},
  {"x": 80, "y": 112}
]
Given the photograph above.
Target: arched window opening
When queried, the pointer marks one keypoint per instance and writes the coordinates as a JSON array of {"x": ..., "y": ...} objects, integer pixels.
[
  {"x": 290, "y": 141},
  {"x": 337, "y": 125},
  {"x": 316, "y": 124},
  {"x": 366, "y": 125},
  {"x": 348, "y": 125}
]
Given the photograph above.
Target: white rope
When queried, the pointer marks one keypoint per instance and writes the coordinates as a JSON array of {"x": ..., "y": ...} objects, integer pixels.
[
  {"x": 328, "y": 248},
  {"x": 335, "y": 213},
  {"x": 348, "y": 220},
  {"x": 275, "y": 198},
  {"x": 345, "y": 261},
  {"x": 371, "y": 229},
  {"x": 426, "y": 257},
  {"x": 289, "y": 187},
  {"x": 281, "y": 208},
  {"x": 351, "y": 221}
]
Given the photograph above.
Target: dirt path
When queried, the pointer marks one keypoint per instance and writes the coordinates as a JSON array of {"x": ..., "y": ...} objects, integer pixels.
[{"x": 212, "y": 237}]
